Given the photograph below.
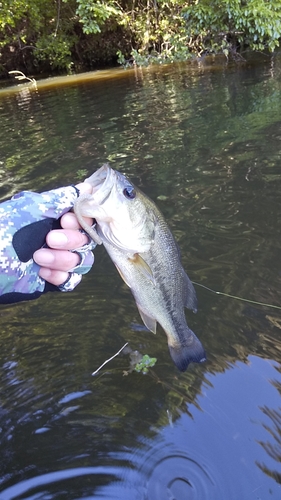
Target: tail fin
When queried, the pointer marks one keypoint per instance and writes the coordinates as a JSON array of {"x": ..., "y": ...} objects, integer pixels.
[{"x": 187, "y": 351}]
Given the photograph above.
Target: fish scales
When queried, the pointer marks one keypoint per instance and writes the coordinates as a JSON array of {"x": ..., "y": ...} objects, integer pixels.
[
  {"x": 162, "y": 299},
  {"x": 150, "y": 264}
]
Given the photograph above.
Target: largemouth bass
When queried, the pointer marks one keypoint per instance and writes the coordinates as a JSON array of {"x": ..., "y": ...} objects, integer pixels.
[{"x": 142, "y": 247}]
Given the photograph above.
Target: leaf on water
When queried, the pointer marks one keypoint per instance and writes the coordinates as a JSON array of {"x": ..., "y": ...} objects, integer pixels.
[{"x": 145, "y": 363}]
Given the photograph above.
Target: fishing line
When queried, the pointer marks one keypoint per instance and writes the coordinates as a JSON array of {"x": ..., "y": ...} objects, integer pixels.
[{"x": 237, "y": 298}]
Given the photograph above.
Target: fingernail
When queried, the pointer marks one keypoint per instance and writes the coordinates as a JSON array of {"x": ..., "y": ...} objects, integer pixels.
[
  {"x": 57, "y": 239},
  {"x": 44, "y": 257}
]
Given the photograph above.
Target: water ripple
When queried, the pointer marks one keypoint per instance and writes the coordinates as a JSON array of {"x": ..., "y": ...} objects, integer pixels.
[
  {"x": 25, "y": 486},
  {"x": 177, "y": 477},
  {"x": 165, "y": 471},
  {"x": 159, "y": 471}
]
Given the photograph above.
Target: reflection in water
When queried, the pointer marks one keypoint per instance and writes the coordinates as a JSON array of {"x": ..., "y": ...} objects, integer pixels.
[
  {"x": 204, "y": 143},
  {"x": 273, "y": 447},
  {"x": 209, "y": 453},
  {"x": 273, "y": 450},
  {"x": 174, "y": 477},
  {"x": 40, "y": 482}
]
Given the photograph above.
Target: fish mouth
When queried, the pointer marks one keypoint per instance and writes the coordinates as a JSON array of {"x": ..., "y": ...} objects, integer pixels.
[{"x": 102, "y": 182}]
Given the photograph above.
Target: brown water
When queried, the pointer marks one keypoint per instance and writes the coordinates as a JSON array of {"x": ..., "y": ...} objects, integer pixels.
[{"x": 205, "y": 143}]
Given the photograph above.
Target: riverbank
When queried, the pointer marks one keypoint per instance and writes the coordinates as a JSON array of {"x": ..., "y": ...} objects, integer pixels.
[{"x": 70, "y": 36}]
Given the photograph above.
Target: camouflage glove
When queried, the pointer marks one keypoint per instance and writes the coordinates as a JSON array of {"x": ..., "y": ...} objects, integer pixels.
[{"x": 25, "y": 220}]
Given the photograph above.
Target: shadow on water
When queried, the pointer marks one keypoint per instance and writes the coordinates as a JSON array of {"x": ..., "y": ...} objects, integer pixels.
[{"x": 204, "y": 143}]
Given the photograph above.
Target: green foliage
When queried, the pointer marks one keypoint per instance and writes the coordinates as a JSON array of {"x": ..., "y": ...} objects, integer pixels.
[
  {"x": 158, "y": 31},
  {"x": 44, "y": 27},
  {"x": 223, "y": 25},
  {"x": 93, "y": 14},
  {"x": 81, "y": 174},
  {"x": 61, "y": 34},
  {"x": 55, "y": 49},
  {"x": 174, "y": 31},
  {"x": 145, "y": 363},
  {"x": 13, "y": 20}
]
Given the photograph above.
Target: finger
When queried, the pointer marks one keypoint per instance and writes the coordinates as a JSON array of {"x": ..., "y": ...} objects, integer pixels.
[
  {"x": 66, "y": 239},
  {"x": 69, "y": 221},
  {"x": 56, "y": 278},
  {"x": 84, "y": 187},
  {"x": 60, "y": 260}
]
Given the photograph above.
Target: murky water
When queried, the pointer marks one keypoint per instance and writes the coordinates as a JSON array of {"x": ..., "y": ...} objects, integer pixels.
[{"x": 205, "y": 144}]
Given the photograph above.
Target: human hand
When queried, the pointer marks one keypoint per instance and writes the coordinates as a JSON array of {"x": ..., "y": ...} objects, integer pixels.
[
  {"x": 60, "y": 257},
  {"x": 26, "y": 221}
]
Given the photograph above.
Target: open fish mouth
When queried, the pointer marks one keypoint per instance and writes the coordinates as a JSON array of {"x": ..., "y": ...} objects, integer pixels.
[{"x": 102, "y": 182}]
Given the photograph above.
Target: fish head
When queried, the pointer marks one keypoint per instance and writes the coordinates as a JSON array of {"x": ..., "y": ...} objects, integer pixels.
[{"x": 121, "y": 211}]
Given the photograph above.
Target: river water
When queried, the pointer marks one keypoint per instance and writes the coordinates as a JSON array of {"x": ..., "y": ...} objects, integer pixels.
[{"x": 204, "y": 141}]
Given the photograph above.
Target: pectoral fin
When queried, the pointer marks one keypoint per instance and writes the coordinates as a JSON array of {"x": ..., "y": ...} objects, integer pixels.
[
  {"x": 142, "y": 266},
  {"x": 122, "y": 275},
  {"x": 149, "y": 322}
]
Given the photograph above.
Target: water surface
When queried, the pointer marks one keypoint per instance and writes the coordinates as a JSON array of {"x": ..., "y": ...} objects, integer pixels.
[{"x": 205, "y": 143}]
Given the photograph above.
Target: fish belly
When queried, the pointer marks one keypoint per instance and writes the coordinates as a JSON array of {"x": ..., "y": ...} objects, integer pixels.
[{"x": 161, "y": 302}]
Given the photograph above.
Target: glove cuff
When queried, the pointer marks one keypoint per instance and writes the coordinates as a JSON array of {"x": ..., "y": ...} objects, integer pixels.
[{"x": 72, "y": 281}]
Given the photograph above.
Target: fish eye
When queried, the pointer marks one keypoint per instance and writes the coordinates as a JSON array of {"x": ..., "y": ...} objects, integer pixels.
[{"x": 129, "y": 193}]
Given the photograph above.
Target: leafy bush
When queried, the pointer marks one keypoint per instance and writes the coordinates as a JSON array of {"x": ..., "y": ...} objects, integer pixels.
[
  {"x": 225, "y": 25},
  {"x": 177, "y": 30},
  {"x": 93, "y": 14},
  {"x": 63, "y": 33},
  {"x": 55, "y": 49}
]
